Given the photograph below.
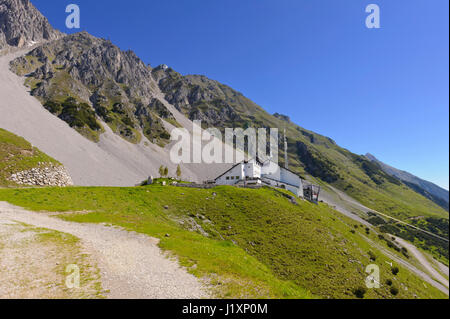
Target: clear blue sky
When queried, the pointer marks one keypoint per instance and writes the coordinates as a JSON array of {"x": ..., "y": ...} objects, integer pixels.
[{"x": 381, "y": 91}]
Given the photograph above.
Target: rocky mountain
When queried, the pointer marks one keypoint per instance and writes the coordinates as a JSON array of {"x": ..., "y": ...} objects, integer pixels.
[
  {"x": 81, "y": 78},
  {"x": 94, "y": 86},
  {"x": 435, "y": 193},
  {"x": 21, "y": 24},
  {"x": 310, "y": 154}
]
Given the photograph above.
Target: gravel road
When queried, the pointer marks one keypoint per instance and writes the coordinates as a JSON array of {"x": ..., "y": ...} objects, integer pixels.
[
  {"x": 347, "y": 205},
  {"x": 424, "y": 261},
  {"x": 131, "y": 265}
]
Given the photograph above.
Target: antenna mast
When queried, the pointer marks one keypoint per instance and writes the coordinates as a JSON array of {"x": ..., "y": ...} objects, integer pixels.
[{"x": 286, "y": 160}]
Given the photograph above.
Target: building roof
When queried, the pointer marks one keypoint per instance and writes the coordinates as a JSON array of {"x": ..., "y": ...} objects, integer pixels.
[{"x": 228, "y": 170}]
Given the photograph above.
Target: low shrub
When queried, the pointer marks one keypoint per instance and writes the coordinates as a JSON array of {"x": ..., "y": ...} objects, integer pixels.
[
  {"x": 372, "y": 256},
  {"x": 394, "y": 291},
  {"x": 395, "y": 270},
  {"x": 360, "y": 292}
]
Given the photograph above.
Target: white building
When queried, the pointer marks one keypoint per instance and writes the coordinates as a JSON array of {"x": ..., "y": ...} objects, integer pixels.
[
  {"x": 247, "y": 171},
  {"x": 277, "y": 176},
  {"x": 254, "y": 172}
]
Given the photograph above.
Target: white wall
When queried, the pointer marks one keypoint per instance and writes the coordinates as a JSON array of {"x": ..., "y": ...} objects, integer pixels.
[
  {"x": 271, "y": 170},
  {"x": 252, "y": 170},
  {"x": 290, "y": 178},
  {"x": 231, "y": 177}
]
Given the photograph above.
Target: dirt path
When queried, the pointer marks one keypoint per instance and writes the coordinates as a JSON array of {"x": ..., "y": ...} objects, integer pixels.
[
  {"x": 131, "y": 265},
  {"x": 407, "y": 265},
  {"x": 34, "y": 260},
  {"x": 346, "y": 205},
  {"x": 423, "y": 260}
]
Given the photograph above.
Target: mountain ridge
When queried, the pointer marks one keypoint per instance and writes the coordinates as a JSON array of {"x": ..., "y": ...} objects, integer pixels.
[
  {"x": 107, "y": 85},
  {"x": 108, "y": 114},
  {"x": 426, "y": 188}
]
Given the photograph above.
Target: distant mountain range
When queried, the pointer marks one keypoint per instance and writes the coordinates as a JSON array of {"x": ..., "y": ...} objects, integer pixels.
[
  {"x": 97, "y": 89},
  {"x": 435, "y": 193}
]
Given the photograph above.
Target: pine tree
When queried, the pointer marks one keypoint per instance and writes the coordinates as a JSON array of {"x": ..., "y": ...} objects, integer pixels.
[
  {"x": 161, "y": 171},
  {"x": 166, "y": 171}
]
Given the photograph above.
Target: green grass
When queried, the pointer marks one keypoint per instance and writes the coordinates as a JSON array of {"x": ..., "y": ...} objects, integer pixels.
[
  {"x": 309, "y": 153},
  {"x": 17, "y": 155},
  {"x": 255, "y": 243},
  {"x": 68, "y": 250}
]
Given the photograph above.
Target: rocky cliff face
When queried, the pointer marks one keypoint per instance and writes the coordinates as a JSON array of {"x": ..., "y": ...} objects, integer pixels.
[
  {"x": 201, "y": 98},
  {"x": 83, "y": 79},
  {"x": 101, "y": 81},
  {"x": 21, "y": 24}
]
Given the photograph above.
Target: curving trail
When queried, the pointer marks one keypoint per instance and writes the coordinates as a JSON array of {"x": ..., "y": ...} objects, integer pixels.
[
  {"x": 424, "y": 261},
  {"x": 347, "y": 205},
  {"x": 132, "y": 266}
]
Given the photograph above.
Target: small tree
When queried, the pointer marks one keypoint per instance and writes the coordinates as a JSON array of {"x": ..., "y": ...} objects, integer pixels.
[
  {"x": 161, "y": 171},
  {"x": 166, "y": 171},
  {"x": 178, "y": 171}
]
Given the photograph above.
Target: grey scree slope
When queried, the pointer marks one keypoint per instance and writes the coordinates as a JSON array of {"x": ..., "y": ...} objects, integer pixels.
[{"x": 111, "y": 162}]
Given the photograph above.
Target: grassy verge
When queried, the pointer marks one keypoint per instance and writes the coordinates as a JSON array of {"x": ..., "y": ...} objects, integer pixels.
[
  {"x": 249, "y": 243},
  {"x": 33, "y": 264}
]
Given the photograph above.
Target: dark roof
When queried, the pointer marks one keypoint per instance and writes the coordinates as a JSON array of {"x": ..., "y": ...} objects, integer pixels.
[{"x": 228, "y": 170}]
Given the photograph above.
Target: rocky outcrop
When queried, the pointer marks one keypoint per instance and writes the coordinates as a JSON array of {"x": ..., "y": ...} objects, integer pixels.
[
  {"x": 282, "y": 117},
  {"x": 117, "y": 84},
  {"x": 21, "y": 23},
  {"x": 46, "y": 174}
]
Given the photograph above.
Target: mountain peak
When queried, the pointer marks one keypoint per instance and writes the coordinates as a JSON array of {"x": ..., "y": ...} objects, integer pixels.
[
  {"x": 371, "y": 157},
  {"x": 431, "y": 191},
  {"x": 21, "y": 24}
]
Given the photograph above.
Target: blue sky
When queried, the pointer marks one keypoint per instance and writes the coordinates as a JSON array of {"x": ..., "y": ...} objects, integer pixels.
[{"x": 383, "y": 91}]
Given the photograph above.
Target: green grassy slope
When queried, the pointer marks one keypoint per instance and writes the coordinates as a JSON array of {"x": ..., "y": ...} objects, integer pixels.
[
  {"x": 217, "y": 105},
  {"x": 220, "y": 106},
  {"x": 17, "y": 155},
  {"x": 248, "y": 243}
]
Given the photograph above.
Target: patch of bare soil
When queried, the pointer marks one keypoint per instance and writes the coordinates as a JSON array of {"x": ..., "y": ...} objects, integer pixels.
[{"x": 33, "y": 264}]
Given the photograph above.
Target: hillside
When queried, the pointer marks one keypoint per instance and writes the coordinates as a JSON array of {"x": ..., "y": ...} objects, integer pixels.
[
  {"x": 431, "y": 191},
  {"x": 247, "y": 243},
  {"x": 79, "y": 71},
  {"x": 106, "y": 115},
  {"x": 310, "y": 154},
  {"x": 17, "y": 155},
  {"x": 109, "y": 84}
]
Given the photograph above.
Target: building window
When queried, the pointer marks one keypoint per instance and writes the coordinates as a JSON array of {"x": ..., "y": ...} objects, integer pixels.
[
  {"x": 228, "y": 178},
  {"x": 232, "y": 177},
  {"x": 237, "y": 177}
]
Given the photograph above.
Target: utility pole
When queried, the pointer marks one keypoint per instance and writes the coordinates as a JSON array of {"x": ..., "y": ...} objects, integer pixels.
[{"x": 286, "y": 160}]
